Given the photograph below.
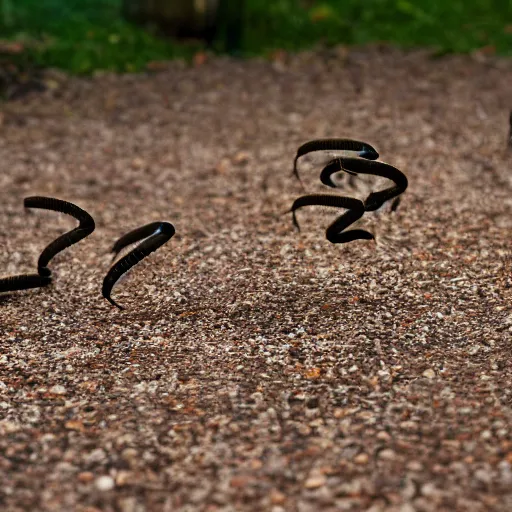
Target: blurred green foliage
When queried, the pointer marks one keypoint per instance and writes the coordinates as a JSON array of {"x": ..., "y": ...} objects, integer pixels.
[
  {"x": 82, "y": 36},
  {"x": 446, "y": 25},
  {"x": 86, "y": 35}
]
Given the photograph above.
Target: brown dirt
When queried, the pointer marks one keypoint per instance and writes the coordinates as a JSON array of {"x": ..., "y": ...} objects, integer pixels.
[{"x": 256, "y": 368}]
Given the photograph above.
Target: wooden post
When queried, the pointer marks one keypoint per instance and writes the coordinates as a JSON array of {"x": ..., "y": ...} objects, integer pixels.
[
  {"x": 212, "y": 20},
  {"x": 230, "y": 25},
  {"x": 181, "y": 18}
]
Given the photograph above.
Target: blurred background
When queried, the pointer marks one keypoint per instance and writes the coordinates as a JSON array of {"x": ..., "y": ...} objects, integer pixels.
[{"x": 84, "y": 36}]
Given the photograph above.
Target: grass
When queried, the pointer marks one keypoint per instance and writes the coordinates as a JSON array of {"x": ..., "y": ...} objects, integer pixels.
[
  {"x": 86, "y": 35},
  {"x": 82, "y": 36}
]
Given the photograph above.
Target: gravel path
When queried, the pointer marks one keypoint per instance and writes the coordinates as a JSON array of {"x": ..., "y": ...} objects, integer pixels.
[{"x": 256, "y": 368}]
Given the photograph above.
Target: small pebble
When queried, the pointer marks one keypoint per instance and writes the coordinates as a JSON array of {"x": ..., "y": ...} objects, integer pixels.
[
  {"x": 277, "y": 497},
  {"x": 361, "y": 459},
  {"x": 314, "y": 482},
  {"x": 58, "y": 389},
  {"x": 104, "y": 483},
  {"x": 85, "y": 477},
  {"x": 387, "y": 454},
  {"x": 483, "y": 475}
]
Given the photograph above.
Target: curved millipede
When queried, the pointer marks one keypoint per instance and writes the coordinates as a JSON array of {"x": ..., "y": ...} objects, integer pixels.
[
  {"x": 23, "y": 282},
  {"x": 365, "y": 163},
  {"x": 363, "y": 149},
  {"x": 85, "y": 228},
  {"x": 334, "y": 233},
  {"x": 156, "y": 235},
  {"x": 134, "y": 236},
  {"x": 360, "y": 166},
  {"x": 510, "y": 130}
]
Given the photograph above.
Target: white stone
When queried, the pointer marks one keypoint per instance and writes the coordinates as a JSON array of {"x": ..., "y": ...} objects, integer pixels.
[{"x": 104, "y": 483}]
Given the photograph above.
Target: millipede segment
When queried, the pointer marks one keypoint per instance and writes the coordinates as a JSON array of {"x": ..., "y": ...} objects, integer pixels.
[
  {"x": 363, "y": 149},
  {"x": 510, "y": 131},
  {"x": 155, "y": 234},
  {"x": 334, "y": 232},
  {"x": 134, "y": 236},
  {"x": 23, "y": 282},
  {"x": 85, "y": 228},
  {"x": 360, "y": 166}
]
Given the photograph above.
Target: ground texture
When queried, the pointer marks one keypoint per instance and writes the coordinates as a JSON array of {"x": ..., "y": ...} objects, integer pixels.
[{"x": 257, "y": 368}]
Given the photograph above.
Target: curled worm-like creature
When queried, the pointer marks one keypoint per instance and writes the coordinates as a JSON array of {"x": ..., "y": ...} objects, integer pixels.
[
  {"x": 23, "y": 282},
  {"x": 85, "y": 228},
  {"x": 134, "y": 236},
  {"x": 156, "y": 234},
  {"x": 334, "y": 232},
  {"x": 360, "y": 166},
  {"x": 510, "y": 131},
  {"x": 363, "y": 149}
]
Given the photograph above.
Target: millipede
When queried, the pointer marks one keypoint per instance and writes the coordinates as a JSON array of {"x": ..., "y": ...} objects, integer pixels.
[
  {"x": 43, "y": 276},
  {"x": 363, "y": 149},
  {"x": 336, "y": 233},
  {"x": 23, "y": 282},
  {"x": 155, "y": 234},
  {"x": 510, "y": 130},
  {"x": 365, "y": 163},
  {"x": 134, "y": 236},
  {"x": 85, "y": 228},
  {"x": 360, "y": 166}
]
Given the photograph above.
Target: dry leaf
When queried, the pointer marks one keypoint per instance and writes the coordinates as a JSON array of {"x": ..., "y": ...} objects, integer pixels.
[
  {"x": 199, "y": 58},
  {"x": 313, "y": 373},
  {"x": 75, "y": 425}
]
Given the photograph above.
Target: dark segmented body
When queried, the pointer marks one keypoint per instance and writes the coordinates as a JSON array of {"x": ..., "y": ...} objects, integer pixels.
[
  {"x": 510, "y": 131},
  {"x": 159, "y": 234},
  {"x": 135, "y": 236},
  {"x": 85, "y": 228},
  {"x": 23, "y": 282},
  {"x": 334, "y": 232},
  {"x": 363, "y": 149},
  {"x": 333, "y": 167},
  {"x": 360, "y": 166}
]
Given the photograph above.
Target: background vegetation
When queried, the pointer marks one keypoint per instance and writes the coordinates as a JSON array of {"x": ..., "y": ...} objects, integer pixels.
[{"x": 86, "y": 35}]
